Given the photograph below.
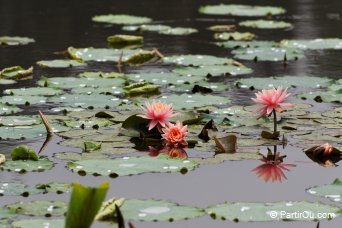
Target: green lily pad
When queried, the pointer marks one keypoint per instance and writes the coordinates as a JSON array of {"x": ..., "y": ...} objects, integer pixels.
[
  {"x": 15, "y": 40},
  {"x": 33, "y": 91},
  {"x": 38, "y": 223},
  {"x": 91, "y": 146},
  {"x": 121, "y": 39},
  {"x": 200, "y": 87},
  {"x": 23, "y": 100},
  {"x": 141, "y": 88},
  {"x": 331, "y": 191},
  {"x": 5, "y": 214},
  {"x": 39, "y": 208},
  {"x": 11, "y": 121},
  {"x": 244, "y": 211},
  {"x": 24, "y": 153},
  {"x": 87, "y": 101},
  {"x": 197, "y": 60},
  {"x": 100, "y": 74},
  {"x": 268, "y": 54},
  {"x": 234, "y": 36},
  {"x": 265, "y": 24},
  {"x": 7, "y": 81},
  {"x": 148, "y": 28},
  {"x": 316, "y": 44},
  {"x": 157, "y": 210},
  {"x": 16, "y": 72},
  {"x": 60, "y": 63},
  {"x": 190, "y": 101},
  {"x": 8, "y": 109},
  {"x": 215, "y": 70},
  {"x": 246, "y": 44},
  {"x": 130, "y": 166},
  {"x": 54, "y": 187},
  {"x": 91, "y": 123},
  {"x": 121, "y": 19},
  {"x": 179, "y": 31},
  {"x": 241, "y": 10},
  {"x": 99, "y": 54},
  {"x": 284, "y": 81},
  {"x": 22, "y": 166},
  {"x": 17, "y": 189},
  {"x": 74, "y": 156},
  {"x": 140, "y": 57},
  {"x": 162, "y": 78},
  {"x": 322, "y": 96}
]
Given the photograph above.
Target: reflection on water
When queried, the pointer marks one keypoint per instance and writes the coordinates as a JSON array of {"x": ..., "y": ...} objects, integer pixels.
[
  {"x": 324, "y": 155},
  {"x": 172, "y": 152},
  {"x": 273, "y": 169}
]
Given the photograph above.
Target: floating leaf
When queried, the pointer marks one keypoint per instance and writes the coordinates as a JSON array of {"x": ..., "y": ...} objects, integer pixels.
[
  {"x": 17, "y": 189},
  {"x": 200, "y": 87},
  {"x": 11, "y": 121},
  {"x": 322, "y": 96},
  {"x": 120, "y": 39},
  {"x": 284, "y": 81},
  {"x": 16, "y": 72},
  {"x": 148, "y": 28},
  {"x": 130, "y": 166},
  {"x": 33, "y": 91},
  {"x": 162, "y": 78},
  {"x": 8, "y": 109},
  {"x": 91, "y": 123},
  {"x": 84, "y": 204},
  {"x": 241, "y": 10},
  {"x": 217, "y": 70},
  {"x": 157, "y": 210},
  {"x": 2, "y": 159},
  {"x": 141, "y": 57},
  {"x": 246, "y": 44},
  {"x": 53, "y": 187},
  {"x": 107, "y": 210},
  {"x": 100, "y": 74},
  {"x": 265, "y": 24},
  {"x": 268, "y": 54},
  {"x": 27, "y": 166},
  {"x": 222, "y": 28},
  {"x": 198, "y": 60},
  {"x": 23, "y": 100},
  {"x": 91, "y": 146},
  {"x": 316, "y": 44},
  {"x": 244, "y": 211},
  {"x": 179, "y": 31},
  {"x": 141, "y": 88},
  {"x": 38, "y": 223},
  {"x": 331, "y": 191},
  {"x": 121, "y": 19},
  {"x": 15, "y": 40},
  {"x": 39, "y": 208},
  {"x": 24, "y": 153},
  {"x": 7, "y": 81},
  {"x": 99, "y": 54},
  {"x": 234, "y": 36},
  {"x": 60, "y": 63},
  {"x": 5, "y": 214}
]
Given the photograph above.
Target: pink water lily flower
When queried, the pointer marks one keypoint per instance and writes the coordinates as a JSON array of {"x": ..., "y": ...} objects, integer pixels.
[
  {"x": 174, "y": 134},
  {"x": 271, "y": 99},
  {"x": 158, "y": 112}
]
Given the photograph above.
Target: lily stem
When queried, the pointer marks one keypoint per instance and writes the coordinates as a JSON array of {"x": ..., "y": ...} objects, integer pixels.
[{"x": 275, "y": 122}]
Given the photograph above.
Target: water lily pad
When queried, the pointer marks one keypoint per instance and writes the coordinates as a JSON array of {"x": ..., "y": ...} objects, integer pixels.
[
  {"x": 179, "y": 31},
  {"x": 130, "y": 166},
  {"x": 74, "y": 156},
  {"x": 222, "y": 28},
  {"x": 190, "y": 101},
  {"x": 124, "y": 39},
  {"x": 27, "y": 166},
  {"x": 121, "y": 19},
  {"x": 5, "y": 214},
  {"x": 141, "y": 88},
  {"x": 39, "y": 208},
  {"x": 162, "y": 78},
  {"x": 284, "y": 81},
  {"x": 215, "y": 70},
  {"x": 8, "y": 109},
  {"x": 316, "y": 44},
  {"x": 15, "y": 40},
  {"x": 17, "y": 189},
  {"x": 241, "y": 10},
  {"x": 265, "y": 24},
  {"x": 87, "y": 101},
  {"x": 322, "y": 96},
  {"x": 198, "y": 60},
  {"x": 16, "y": 72},
  {"x": 244, "y": 211},
  {"x": 246, "y": 44},
  {"x": 100, "y": 74},
  {"x": 99, "y": 54},
  {"x": 60, "y": 63},
  {"x": 11, "y": 121},
  {"x": 148, "y": 28},
  {"x": 24, "y": 153},
  {"x": 157, "y": 210},
  {"x": 38, "y": 223},
  {"x": 54, "y": 187},
  {"x": 33, "y": 91},
  {"x": 268, "y": 54},
  {"x": 91, "y": 123},
  {"x": 7, "y": 81},
  {"x": 23, "y": 100},
  {"x": 331, "y": 191},
  {"x": 234, "y": 36},
  {"x": 200, "y": 87},
  {"x": 141, "y": 57}
]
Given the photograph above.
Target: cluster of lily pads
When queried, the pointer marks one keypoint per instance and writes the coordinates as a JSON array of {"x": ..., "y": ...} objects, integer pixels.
[{"x": 96, "y": 112}]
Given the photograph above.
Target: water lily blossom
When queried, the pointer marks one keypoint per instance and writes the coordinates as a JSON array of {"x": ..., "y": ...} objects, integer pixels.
[
  {"x": 174, "y": 134},
  {"x": 272, "y": 101},
  {"x": 158, "y": 112}
]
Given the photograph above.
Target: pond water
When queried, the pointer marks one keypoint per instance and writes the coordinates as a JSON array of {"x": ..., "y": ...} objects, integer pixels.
[{"x": 56, "y": 25}]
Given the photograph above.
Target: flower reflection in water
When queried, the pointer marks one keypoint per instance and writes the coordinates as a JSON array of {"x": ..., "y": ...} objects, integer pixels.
[
  {"x": 324, "y": 155},
  {"x": 172, "y": 152},
  {"x": 273, "y": 169}
]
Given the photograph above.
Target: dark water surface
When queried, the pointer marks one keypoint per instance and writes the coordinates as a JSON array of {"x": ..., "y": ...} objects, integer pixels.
[{"x": 55, "y": 25}]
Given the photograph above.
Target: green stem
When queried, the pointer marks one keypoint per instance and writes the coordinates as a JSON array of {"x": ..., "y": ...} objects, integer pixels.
[{"x": 275, "y": 122}]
